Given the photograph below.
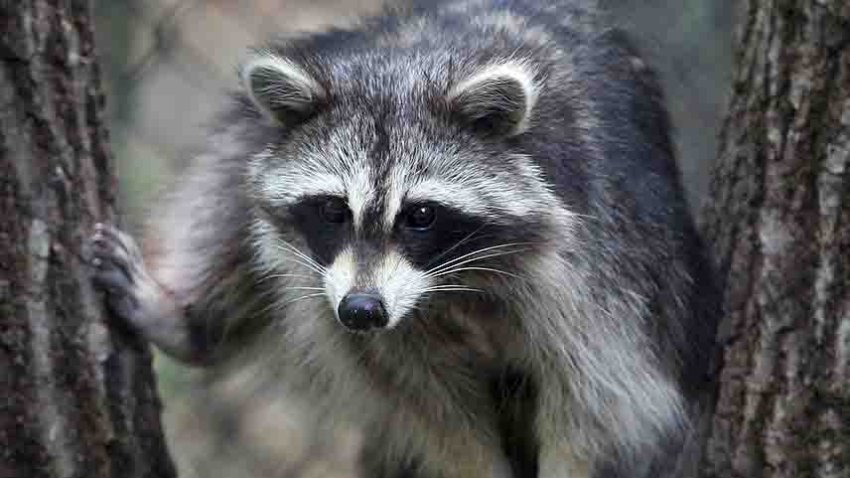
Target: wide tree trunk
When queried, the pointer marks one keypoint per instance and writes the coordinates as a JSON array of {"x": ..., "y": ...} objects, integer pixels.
[
  {"x": 779, "y": 221},
  {"x": 77, "y": 399}
]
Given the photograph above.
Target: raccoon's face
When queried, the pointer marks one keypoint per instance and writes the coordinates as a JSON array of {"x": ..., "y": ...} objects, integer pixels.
[{"x": 399, "y": 194}]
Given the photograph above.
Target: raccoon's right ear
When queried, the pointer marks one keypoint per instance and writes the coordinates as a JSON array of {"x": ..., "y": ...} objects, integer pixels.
[
  {"x": 281, "y": 89},
  {"x": 497, "y": 99}
]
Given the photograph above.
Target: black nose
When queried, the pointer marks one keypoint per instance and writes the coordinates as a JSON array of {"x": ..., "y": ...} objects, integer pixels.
[{"x": 362, "y": 312}]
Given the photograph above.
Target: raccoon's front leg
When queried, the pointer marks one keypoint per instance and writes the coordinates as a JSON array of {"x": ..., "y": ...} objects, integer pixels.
[{"x": 136, "y": 298}]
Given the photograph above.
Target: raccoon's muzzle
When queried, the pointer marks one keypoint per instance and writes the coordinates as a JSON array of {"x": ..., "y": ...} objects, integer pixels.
[{"x": 361, "y": 312}]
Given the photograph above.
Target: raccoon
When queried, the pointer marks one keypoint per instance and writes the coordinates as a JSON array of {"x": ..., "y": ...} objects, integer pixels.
[{"x": 460, "y": 226}]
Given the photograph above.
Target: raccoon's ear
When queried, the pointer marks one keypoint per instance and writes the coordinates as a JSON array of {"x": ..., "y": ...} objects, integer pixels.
[
  {"x": 497, "y": 99},
  {"x": 281, "y": 89}
]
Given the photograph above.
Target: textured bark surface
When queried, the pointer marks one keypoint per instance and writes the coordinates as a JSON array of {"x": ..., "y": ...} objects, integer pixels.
[
  {"x": 779, "y": 219},
  {"x": 76, "y": 399}
]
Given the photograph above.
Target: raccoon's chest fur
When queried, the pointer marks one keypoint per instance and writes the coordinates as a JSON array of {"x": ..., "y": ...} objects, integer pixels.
[
  {"x": 461, "y": 347},
  {"x": 454, "y": 386}
]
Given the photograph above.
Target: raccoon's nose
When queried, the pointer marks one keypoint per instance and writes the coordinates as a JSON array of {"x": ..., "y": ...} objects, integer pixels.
[{"x": 362, "y": 312}]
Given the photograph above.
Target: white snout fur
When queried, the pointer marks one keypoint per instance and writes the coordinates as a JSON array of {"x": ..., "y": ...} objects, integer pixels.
[{"x": 398, "y": 282}]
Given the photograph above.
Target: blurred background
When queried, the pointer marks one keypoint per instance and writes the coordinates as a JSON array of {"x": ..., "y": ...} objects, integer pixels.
[{"x": 166, "y": 64}]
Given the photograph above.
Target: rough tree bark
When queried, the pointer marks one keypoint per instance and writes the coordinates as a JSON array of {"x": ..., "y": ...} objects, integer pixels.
[
  {"x": 779, "y": 221},
  {"x": 76, "y": 398}
]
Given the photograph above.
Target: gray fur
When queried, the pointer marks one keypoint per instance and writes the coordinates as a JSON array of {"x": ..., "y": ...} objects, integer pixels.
[{"x": 593, "y": 284}]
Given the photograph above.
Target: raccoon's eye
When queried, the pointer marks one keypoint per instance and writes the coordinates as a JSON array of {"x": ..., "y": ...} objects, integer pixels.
[
  {"x": 334, "y": 210},
  {"x": 420, "y": 217}
]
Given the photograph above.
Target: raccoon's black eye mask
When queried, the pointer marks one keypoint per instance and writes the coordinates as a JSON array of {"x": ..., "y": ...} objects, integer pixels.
[
  {"x": 426, "y": 232},
  {"x": 325, "y": 223},
  {"x": 334, "y": 210},
  {"x": 454, "y": 233}
]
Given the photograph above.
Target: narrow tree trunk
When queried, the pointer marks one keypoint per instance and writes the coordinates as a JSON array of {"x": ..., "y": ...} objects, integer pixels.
[
  {"x": 75, "y": 400},
  {"x": 779, "y": 219}
]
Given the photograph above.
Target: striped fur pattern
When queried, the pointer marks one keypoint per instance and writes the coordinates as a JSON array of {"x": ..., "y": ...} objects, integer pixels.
[{"x": 556, "y": 320}]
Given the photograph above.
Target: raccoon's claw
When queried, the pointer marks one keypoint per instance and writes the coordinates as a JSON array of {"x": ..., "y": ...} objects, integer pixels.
[
  {"x": 134, "y": 297},
  {"x": 115, "y": 263}
]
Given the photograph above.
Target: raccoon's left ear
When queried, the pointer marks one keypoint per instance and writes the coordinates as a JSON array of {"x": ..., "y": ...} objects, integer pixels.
[
  {"x": 497, "y": 99},
  {"x": 284, "y": 91}
]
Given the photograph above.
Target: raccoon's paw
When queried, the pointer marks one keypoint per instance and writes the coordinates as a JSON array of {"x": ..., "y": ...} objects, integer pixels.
[{"x": 117, "y": 269}]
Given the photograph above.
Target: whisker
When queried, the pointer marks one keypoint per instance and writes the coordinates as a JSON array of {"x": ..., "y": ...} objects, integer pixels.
[
  {"x": 435, "y": 289},
  {"x": 478, "y": 251},
  {"x": 293, "y": 255},
  {"x": 269, "y": 277},
  {"x": 450, "y": 287},
  {"x": 459, "y": 289},
  {"x": 300, "y": 253},
  {"x": 310, "y": 265},
  {"x": 453, "y": 289},
  {"x": 309, "y": 260},
  {"x": 473, "y": 259},
  {"x": 303, "y": 297},
  {"x": 457, "y": 244},
  {"x": 296, "y": 260},
  {"x": 476, "y": 268},
  {"x": 281, "y": 276},
  {"x": 447, "y": 285}
]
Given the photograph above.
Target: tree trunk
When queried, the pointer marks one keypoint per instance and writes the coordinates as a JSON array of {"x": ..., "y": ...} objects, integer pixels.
[
  {"x": 779, "y": 220},
  {"x": 78, "y": 399}
]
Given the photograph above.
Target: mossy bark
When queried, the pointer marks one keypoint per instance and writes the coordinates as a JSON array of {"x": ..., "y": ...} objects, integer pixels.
[
  {"x": 779, "y": 221},
  {"x": 77, "y": 397}
]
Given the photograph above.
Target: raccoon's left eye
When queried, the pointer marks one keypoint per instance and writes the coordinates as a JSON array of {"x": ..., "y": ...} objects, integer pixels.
[
  {"x": 420, "y": 217},
  {"x": 334, "y": 210}
]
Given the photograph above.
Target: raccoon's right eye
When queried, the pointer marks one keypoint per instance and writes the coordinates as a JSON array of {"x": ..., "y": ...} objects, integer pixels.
[
  {"x": 420, "y": 217},
  {"x": 334, "y": 210}
]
